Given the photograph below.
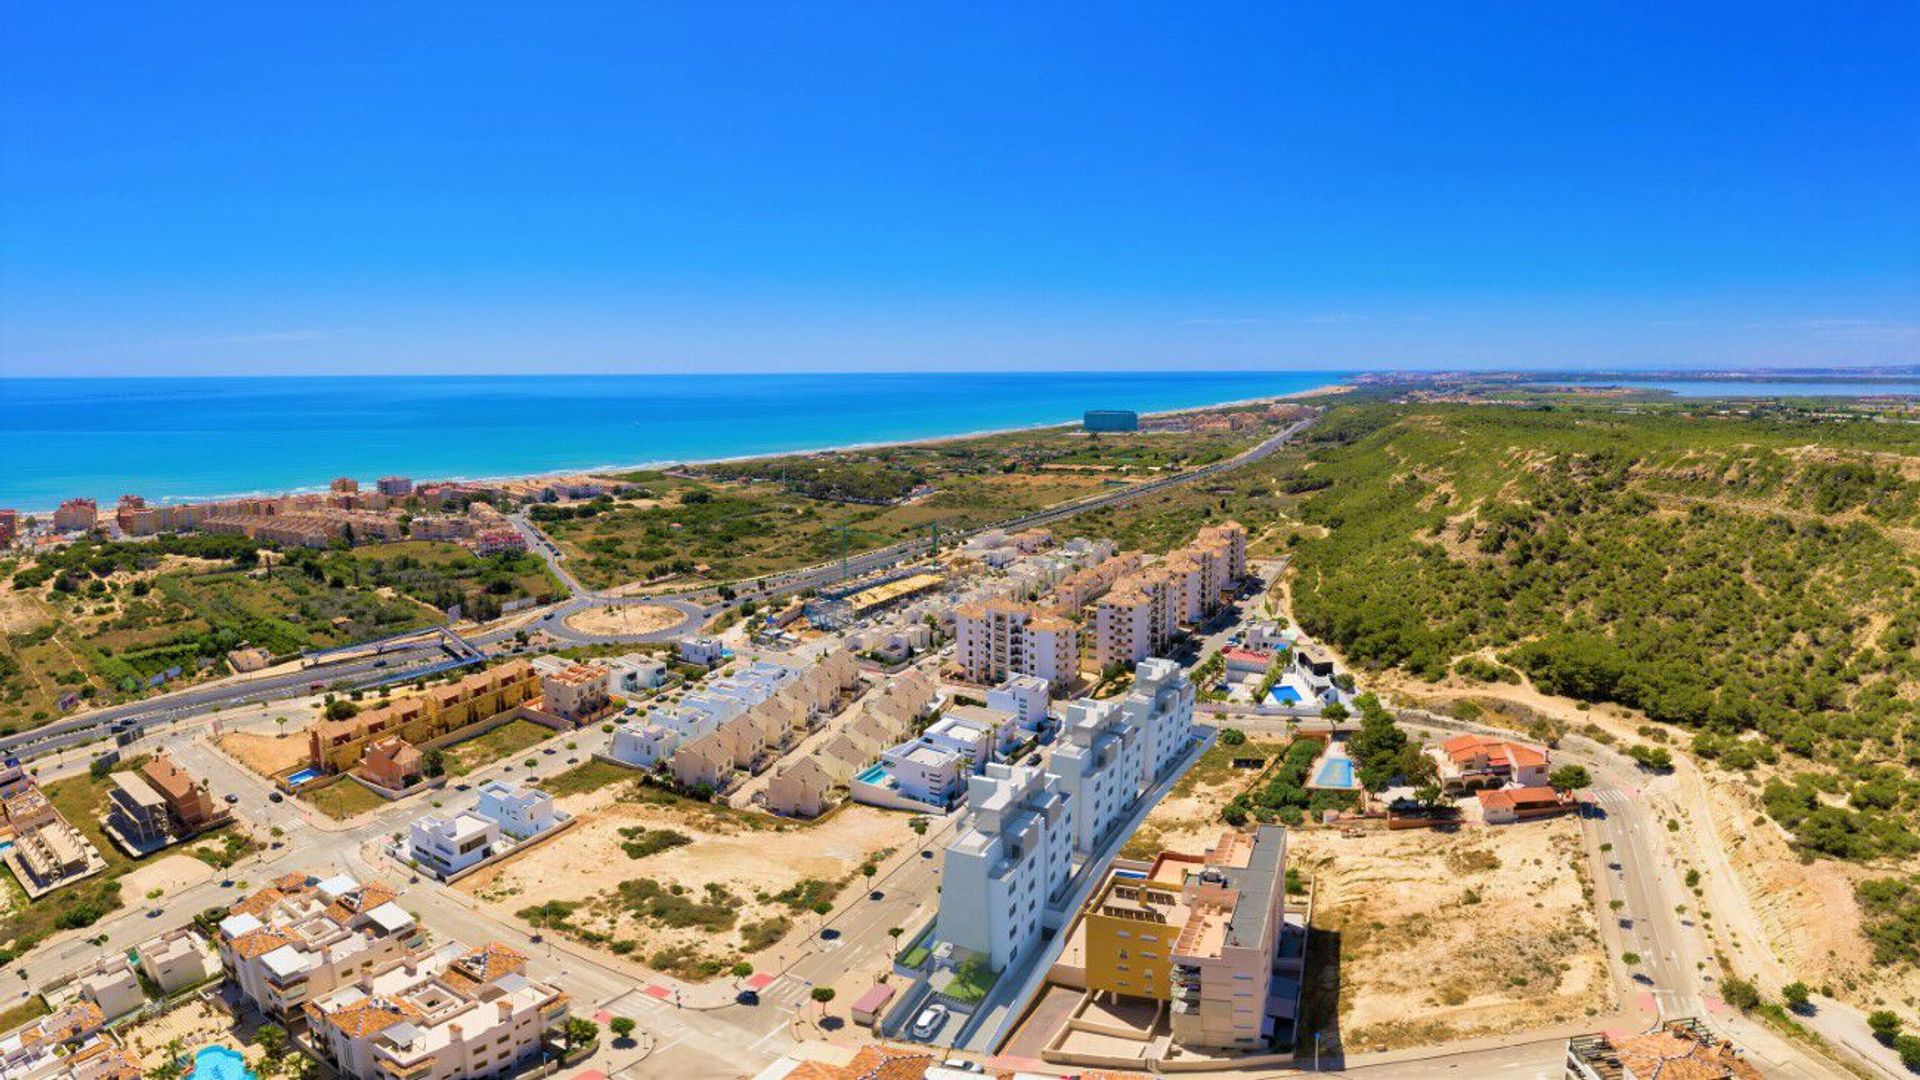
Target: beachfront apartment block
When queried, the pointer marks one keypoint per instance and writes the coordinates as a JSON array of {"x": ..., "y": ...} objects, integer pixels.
[
  {"x": 446, "y": 844},
  {"x": 76, "y": 515},
  {"x": 1201, "y": 934},
  {"x": 1000, "y": 638},
  {"x": 394, "y": 487},
  {"x": 1012, "y": 857},
  {"x": 300, "y": 937},
  {"x": 1098, "y": 762},
  {"x": 454, "y": 1013}
]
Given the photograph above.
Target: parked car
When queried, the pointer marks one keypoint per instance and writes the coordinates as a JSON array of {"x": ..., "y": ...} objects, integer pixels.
[
  {"x": 928, "y": 1023},
  {"x": 231, "y": 798},
  {"x": 275, "y": 797},
  {"x": 962, "y": 1064},
  {"x": 747, "y": 997}
]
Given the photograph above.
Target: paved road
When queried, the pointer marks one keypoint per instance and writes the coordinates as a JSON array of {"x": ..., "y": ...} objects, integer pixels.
[{"x": 695, "y": 605}]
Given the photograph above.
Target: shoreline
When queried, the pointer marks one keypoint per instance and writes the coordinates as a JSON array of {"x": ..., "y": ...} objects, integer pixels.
[{"x": 602, "y": 470}]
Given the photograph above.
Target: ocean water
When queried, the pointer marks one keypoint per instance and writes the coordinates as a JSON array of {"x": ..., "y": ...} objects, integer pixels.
[{"x": 174, "y": 440}]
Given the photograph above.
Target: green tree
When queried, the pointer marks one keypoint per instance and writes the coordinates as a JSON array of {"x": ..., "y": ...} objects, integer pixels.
[
  {"x": 579, "y": 1032},
  {"x": 1885, "y": 1026},
  {"x": 622, "y": 1027},
  {"x": 1740, "y": 993},
  {"x": 823, "y": 994},
  {"x": 1908, "y": 1047},
  {"x": 1570, "y": 778},
  {"x": 1232, "y": 737},
  {"x": 1796, "y": 994},
  {"x": 434, "y": 761}
]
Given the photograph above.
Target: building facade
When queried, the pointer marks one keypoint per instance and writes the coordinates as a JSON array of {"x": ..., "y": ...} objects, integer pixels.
[
  {"x": 1013, "y": 856},
  {"x": 1000, "y": 638}
]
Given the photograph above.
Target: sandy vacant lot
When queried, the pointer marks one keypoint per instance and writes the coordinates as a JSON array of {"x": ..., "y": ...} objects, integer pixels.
[
  {"x": 168, "y": 873},
  {"x": 624, "y": 619},
  {"x": 266, "y": 754},
  {"x": 1450, "y": 936},
  {"x": 1188, "y": 819},
  {"x": 730, "y": 863}
]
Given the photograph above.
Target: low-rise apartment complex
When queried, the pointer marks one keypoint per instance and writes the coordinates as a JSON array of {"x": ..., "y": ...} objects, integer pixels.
[
  {"x": 335, "y": 745},
  {"x": 300, "y": 937}
]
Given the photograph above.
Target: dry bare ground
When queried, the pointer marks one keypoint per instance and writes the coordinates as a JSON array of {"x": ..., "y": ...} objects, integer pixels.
[
  {"x": 624, "y": 619},
  {"x": 266, "y": 754},
  {"x": 168, "y": 873},
  {"x": 1188, "y": 818},
  {"x": 738, "y": 861},
  {"x": 1414, "y": 913}
]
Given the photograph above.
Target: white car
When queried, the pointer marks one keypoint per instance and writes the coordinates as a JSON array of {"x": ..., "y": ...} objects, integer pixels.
[{"x": 928, "y": 1023}]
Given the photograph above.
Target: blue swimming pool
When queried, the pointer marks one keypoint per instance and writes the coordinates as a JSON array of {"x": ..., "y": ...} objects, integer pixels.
[
  {"x": 1335, "y": 772},
  {"x": 220, "y": 1063},
  {"x": 305, "y": 775},
  {"x": 875, "y": 774},
  {"x": 1284, "y": 695}
]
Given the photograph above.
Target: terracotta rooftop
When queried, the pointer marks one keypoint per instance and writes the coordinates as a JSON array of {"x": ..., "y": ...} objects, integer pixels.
[{"x": 871, "y": 1063}]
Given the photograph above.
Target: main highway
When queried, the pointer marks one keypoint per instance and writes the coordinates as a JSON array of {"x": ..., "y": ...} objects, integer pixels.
[{"x": 409, "y": 656}]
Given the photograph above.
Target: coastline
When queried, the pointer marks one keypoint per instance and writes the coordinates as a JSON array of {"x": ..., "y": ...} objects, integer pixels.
[{"x": 602, "y": 470}]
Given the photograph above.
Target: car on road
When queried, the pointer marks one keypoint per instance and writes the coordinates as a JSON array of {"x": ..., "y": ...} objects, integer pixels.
[
  {"x": 929, "y": 1022},
  {"x": 829, "y": 934},
  {"x": 747, "y": 997},
  {"x": 926, "y": 853},
  {"x": 231, "y": 798},
  {"x": 876, "y": 895},
  {"x": 380, "y": 663},
  {"x": 275, "y": 796}
]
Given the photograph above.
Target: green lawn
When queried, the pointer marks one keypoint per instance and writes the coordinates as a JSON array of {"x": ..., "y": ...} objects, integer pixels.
[
  {"x": 504, "y": 741},
  {"x": 342, "y": 799}
]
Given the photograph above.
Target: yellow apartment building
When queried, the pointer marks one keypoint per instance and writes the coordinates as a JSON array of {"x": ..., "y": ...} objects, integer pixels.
[{"x": 335, "y": 745}]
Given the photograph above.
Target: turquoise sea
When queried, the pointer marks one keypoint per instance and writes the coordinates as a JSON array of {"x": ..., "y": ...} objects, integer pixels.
[{"x": 183, "y": 439}]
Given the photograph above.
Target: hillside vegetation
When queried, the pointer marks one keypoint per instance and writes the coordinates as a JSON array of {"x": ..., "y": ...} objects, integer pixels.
[{"x": 1751, "y": 579}]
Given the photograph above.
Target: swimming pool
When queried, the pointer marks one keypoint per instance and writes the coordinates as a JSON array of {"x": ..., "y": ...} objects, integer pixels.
[
  {"x": 1335, "y": 772},
  {"x": 876, "y": 774},
  {"x": 220, "y": 1063},
  {"x": 1284, "y": 695},
  {"x": 303, "y": 776}
]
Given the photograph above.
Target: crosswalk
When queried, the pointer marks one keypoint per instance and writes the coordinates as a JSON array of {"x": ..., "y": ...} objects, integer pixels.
[
  {"x": 788, "y": 991},
  {"x": 1610, "y": 796}
]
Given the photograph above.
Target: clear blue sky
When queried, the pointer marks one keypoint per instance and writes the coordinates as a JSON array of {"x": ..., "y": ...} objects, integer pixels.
[{"x": 196, "y": 188}]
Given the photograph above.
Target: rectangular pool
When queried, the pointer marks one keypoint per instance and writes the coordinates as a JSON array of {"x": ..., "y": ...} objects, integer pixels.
[
  {"x": 1335, "y": 772},
  {"x": 304, "y": 776},
  {"x": 1283, "y": 695},
  {"x": 876, "y": 774}
]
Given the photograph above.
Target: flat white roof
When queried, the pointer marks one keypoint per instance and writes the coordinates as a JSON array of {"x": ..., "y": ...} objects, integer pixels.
[
  {"x": 390, "y": 917},
  {"x": 337, "y": 886},
  {"x": 236, "y": 925}
]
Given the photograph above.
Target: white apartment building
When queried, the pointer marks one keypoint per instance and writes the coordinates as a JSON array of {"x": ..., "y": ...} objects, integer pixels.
[
  {"x": 1014, "y": 856},
  {"x": 446, "y": 845},
  {"x": 1160, "y": 705},
  {"x": 919, "y": 771},
  {"x": 521, "y": 812},
  {"x": 113, "y": 986},
  {"x": 451, "y": 1014},
  {"x": 702, "y": 650},
  {"x": 1025, "y": 696},
  {"x": 1099, "y": 765},
  {"x": 970, "y": 736},
  {"x": 642, "y": 744},
  {"x": 634, "y": 672},
  {"x": 299, "y": 938},
  {"x": 178, "y": 959},
  {"x": 999, "y": 638}
]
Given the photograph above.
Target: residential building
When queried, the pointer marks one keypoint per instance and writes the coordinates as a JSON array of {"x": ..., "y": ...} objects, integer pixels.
[
  {"x": 392, "y": 763},
  {"x": 1011, "y": 858},
  {"x": 334, "y": 745},
  {"x": 1135, "y": 620},
  {"x": 1314, "y": 664},
  {"x": 1160, "y": 706},
  {"x": 800, "y": 788},
  {"x": 76, "y": 515},
  {"x": 1677, "y": 1049},
  {"x": 344, "y": 485},
  {"x": 1025, "y": 696},
  {"x": 497, "y": 540},
  {"x": 706, "y": 762},
  {"x": 137, "y": 813},
  {"x": 702, "y": 650},
  {"x": 54, "y": 854},
  {"x": 1110, "y": 420},
  {"x": 1504, "y": 806},
  {"x": 925, "y": 773},
  {"x": 1203, "y": 934},
  {"x": 1099, "y": 765},
  {"x": 190, "y": 802},
  {"x": 455, "y": 1013},
  {"x": 643, "y": 744},
  {"x": 1470, "y": 762},
  {"x": 178, "y": 959},
  {"x": 113, "y": 985},
  {"x": 45, "y": 1048},
  {"x": 1233, "y": 536},
  {"x": 441, "y": 527},
  {"x": 395, "y": 487},
  {"x": 1000, "y": 638},
  {"x": 300, "y": 937},
  {"x": 633, "y": 673},
  {"x": 521, "y": 812},
  {"x": 578, "y": 693},
  {"x": 447, "y": 844},
  {"x": 970, "y": 736},
  {"x": 9, "y": 527}
]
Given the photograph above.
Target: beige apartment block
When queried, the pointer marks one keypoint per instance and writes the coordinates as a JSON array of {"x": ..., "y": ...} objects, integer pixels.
[
  {"x": 999, "y": 638},
  {"x": 301, "y": 937}
]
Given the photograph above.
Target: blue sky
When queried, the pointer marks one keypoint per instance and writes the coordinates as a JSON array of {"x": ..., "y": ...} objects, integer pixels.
[{"x": 275, "y": 188}]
